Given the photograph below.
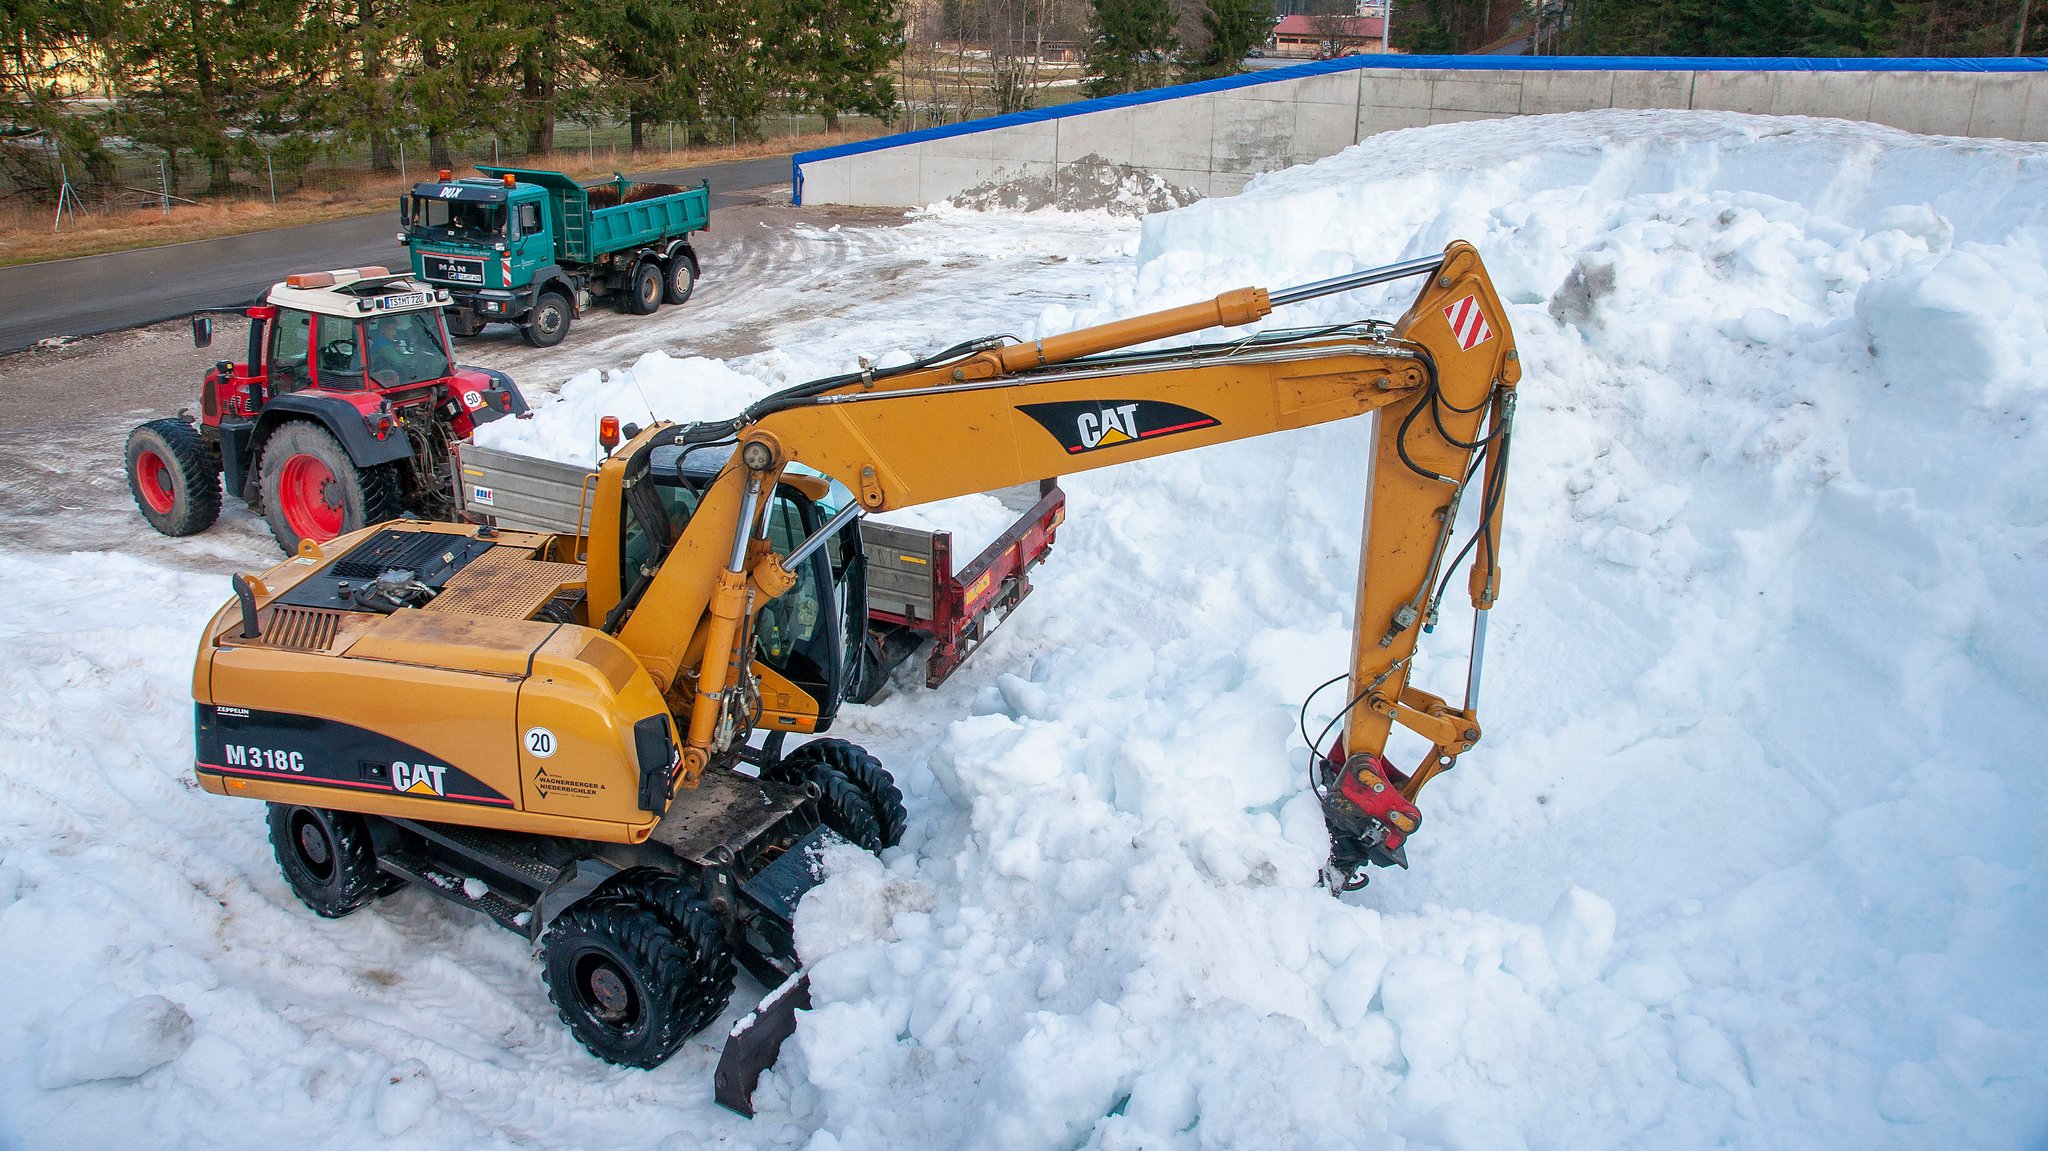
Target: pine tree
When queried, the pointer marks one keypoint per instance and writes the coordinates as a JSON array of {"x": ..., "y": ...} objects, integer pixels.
[
  {"x": 1133, "y": 46},
  {"x": 50, "y": 51},
  {"x": 1235, "y": 27},
  {"x": 640, "y": 53},
  {"x": 209, "y": 77},
  {"x": 836, "y": 54}
]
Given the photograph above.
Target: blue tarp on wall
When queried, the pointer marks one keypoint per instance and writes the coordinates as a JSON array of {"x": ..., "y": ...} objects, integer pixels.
[{"x": 1394, "y": 63}]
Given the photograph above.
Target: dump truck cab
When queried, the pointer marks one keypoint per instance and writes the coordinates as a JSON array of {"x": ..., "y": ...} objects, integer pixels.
[{"x": 532, "y": 247}]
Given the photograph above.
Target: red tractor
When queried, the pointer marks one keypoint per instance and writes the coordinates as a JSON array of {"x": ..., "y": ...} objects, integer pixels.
[{"x": 343, "y": 415}]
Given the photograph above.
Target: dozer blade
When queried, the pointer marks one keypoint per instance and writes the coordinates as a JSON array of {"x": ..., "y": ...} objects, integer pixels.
[{"x": 755, "y": 1041}]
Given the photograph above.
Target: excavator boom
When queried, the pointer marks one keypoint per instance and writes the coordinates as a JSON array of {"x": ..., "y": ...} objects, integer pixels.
[{"x": 987, "y": 415}]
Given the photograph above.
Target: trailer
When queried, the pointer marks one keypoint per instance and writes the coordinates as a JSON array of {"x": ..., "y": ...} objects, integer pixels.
[
  {"x": 532, "y": 247},
  {"x": 919, "y": 598}
]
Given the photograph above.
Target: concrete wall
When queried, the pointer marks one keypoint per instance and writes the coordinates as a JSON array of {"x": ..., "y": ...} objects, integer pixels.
[{"x": 1212, "y": 140}]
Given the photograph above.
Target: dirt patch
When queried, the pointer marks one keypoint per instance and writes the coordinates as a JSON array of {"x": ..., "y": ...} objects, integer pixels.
[{"x": 1088, "y": 184}]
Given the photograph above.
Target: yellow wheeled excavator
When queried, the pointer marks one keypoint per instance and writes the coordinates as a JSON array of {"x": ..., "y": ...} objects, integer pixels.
[{"x": 582, "y": 734}]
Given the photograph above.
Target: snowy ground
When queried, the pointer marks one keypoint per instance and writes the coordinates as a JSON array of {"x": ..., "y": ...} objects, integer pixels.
[{"x": 1752, "y": 855}]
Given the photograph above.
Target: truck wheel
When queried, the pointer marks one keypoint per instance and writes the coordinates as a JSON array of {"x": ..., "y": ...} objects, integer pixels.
[
  {"x": 313, "y": 491},
  {"x": 681, "y": 280},
  {"x": 645, "y": 289},
  {"x": 326, "y": 858},
  {"x": 174, "y": 478},
  {"x": 624, "y": 982},
  {"x": 859, "y": 798},
  {"x": 548, "y": 323}
]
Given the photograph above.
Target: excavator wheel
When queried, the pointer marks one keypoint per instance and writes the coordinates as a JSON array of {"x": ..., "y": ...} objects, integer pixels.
[
  {"x": 695, "y": 926},
  {"x": 859, "y": 798},
  {"x": 624, "y": 981},
  {"x": 327, "y": 859}
]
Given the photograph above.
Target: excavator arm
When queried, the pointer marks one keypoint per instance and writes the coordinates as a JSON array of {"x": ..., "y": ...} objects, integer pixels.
[{"x": 988, "y": 414}]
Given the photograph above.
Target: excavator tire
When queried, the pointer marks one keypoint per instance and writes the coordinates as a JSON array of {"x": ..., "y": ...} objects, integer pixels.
[
  {"x": 326, "y": 858},
  {"x": 696, "y": 928},
  {"x": 622, "y": 980},
  {"x": 859, "y": 797}
]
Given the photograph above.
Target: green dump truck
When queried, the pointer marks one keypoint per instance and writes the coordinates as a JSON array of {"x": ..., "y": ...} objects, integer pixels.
[{"x": 530, "y": 247}]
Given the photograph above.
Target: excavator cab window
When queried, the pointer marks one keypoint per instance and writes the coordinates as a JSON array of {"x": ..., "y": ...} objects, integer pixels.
[
  {"x": 802, "y": 633},
  {"x": 795, "y": 627}
]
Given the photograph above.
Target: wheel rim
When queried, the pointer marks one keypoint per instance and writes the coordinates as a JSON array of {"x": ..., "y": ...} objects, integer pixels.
[
  {"x": 650, "y": 290},
  {"x": 683, "y": 278},
  {"x": 153, "y": 476},
  {"x": 606, "y": 992},
  {"x": 549, "y": 321},
  {"x": 315, "y": 850},
  {"x": 311, "y": 498}
]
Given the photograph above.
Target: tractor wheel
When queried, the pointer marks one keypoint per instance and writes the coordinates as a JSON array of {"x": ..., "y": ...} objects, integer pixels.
[
  {"x": 627, "y": 984},
  {"x": 644, "y": 289},
  {"x": 681, "y": 279},
  {"x": 859, "y": 798},
  {"x": 313, "y": 491},
  {"x": 174, "y": 478},
  {"x": 326, "y": 858},
  {"x": 548, "y": 323}
]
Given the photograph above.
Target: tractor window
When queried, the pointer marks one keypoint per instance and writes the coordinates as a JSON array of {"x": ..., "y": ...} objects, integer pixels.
[
  {"x": 340, "y": 352},
  {"x": 291, "y": 335},
  {"x": 406, "y": 348}
]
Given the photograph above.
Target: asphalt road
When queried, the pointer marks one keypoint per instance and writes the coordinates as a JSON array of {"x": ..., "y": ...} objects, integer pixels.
[{"x": 93, "y": 294}]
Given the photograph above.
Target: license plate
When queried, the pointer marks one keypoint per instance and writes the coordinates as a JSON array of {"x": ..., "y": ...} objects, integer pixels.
[
  {"x": 408, "y": 300},
  {"x": 452, "y": 270}
]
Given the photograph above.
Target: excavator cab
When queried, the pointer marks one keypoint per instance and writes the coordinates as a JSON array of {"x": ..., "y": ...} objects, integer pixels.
[{"x": 812, "y": 634}]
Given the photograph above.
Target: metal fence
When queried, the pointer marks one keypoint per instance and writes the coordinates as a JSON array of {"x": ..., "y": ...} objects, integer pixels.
[{"x": 136, "y": 176}]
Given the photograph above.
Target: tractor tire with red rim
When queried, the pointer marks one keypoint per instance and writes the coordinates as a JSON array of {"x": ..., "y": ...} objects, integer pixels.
[
  {"x": 682, "y": 278},
  {"x": 174, "y": 477},
  {"x": 644, "y": 289},
  {"x": 313, "y": 491},
  {"x": 548, "y": 323}
]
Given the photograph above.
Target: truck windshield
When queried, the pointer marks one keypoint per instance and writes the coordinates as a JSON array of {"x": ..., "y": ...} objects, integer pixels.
[
  {"x": 459, "y": 219},
  {"x": 406, "y": 349}
]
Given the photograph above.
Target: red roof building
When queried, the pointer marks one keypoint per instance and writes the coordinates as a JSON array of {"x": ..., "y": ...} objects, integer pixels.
[{"x": 1326, "y": 37}]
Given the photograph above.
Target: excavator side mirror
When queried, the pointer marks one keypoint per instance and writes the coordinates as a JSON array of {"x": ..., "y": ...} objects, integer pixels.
[{"x": 202, "y": 331}]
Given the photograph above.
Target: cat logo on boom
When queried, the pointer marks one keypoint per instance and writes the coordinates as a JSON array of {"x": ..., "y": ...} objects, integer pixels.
[{"x": 1089, "y": 425}]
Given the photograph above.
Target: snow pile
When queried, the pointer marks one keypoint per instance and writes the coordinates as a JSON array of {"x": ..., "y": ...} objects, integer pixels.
[
  {"x": 1751, "y": 855},
  {"x": 1753, "y": 851}
]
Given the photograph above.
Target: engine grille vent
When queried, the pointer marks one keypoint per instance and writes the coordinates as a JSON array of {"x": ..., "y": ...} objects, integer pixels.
[{"x": 301, "y": 628}]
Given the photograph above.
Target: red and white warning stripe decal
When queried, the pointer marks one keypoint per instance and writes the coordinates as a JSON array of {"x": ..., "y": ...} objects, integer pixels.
[{"x": 1468, "y": 323}]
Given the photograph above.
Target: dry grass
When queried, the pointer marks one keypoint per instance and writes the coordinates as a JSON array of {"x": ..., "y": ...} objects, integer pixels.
[{"x": 26, "y": 236}]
